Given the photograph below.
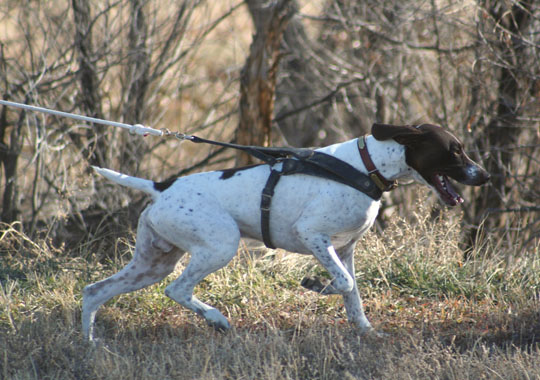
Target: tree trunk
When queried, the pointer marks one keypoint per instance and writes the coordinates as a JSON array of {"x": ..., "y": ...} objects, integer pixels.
[
  {"x": 9, "y": 155},
  {"x": 258, "y": 78},
  {"x": 137, "y": 79},
  {"x": 503, "y": 131},
  {"x": 90, "y": 97},
  {"x": 299, "y": 87}
]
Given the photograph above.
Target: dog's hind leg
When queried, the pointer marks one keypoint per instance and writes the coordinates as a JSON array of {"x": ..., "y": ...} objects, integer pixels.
[
  {"x": 154, "y": 258},
  {"x": 211, "y": 252}
]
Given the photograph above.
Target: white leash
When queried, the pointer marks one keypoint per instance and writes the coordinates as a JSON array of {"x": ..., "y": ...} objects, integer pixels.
[{"x": 138, "y": 129}]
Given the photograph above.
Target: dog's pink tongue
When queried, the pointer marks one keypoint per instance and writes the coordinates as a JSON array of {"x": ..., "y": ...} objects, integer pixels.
[{"x": 457, "y": 198}]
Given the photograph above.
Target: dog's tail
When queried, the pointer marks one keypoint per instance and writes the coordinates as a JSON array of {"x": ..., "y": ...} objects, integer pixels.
[{"x": 125, "y": 180}]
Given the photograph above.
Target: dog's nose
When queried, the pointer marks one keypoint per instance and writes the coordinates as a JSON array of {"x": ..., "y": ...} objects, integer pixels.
[
  {"x": 475, "y": 175},
  {"x": 485, "y": 177}
]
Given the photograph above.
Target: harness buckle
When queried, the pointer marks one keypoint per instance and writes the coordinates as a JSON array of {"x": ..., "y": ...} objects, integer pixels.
[
  {"x": 380, "y": 184},
  {"x": 266, "y": 200},
  {"x": 375, "y": 178}
]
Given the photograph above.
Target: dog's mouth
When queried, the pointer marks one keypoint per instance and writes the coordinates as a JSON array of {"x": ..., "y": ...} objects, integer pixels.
[{"x": 445, "y": 190}]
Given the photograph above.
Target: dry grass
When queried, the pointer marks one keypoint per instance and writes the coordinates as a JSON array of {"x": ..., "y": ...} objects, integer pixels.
[{"x": 446, "y": 316}]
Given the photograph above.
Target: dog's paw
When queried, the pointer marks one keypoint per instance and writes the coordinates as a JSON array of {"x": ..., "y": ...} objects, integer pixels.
[
  {"x": 220, "y": 327},
  {"x": 96, "y": 343},
  {"x": 216, "y": 320},
  {"x": 371, "y": 333},
  {"x": 320, "y": 285}
]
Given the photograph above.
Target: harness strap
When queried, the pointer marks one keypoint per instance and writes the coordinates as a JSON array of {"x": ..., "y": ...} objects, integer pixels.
[
  {"x": 266, "y": 201},
  {"x": 327, "y": 166},
  {"x": 317, "y": 164}
]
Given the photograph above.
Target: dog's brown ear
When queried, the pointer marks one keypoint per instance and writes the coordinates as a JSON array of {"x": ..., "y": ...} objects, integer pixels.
[{"x": 403, "y": 134}]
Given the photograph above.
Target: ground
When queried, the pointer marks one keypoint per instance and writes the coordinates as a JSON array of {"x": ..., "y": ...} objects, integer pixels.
[{"x": 444, "y": 314}]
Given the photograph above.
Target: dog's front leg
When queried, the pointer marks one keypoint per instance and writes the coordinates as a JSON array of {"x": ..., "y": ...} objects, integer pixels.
[
  {"x": 352, "y": 300},
  {"x": 320, "y": 245}
]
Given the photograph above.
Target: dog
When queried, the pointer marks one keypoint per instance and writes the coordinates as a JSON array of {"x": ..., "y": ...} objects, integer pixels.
[{"x": 207, "y": 213}]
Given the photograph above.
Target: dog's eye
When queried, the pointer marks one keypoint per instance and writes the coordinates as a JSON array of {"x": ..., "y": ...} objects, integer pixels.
[{"x": 455, "y": 150}]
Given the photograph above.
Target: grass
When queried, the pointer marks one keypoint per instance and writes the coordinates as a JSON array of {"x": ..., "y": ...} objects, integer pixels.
[{"x": 446, "y": 316}]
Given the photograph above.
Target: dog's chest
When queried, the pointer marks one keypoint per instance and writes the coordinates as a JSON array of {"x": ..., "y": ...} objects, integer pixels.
[{"x": 362, "y": 221}]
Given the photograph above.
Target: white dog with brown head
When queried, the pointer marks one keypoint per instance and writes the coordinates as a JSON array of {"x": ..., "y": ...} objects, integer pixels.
[{"x": 206, "y": 214}]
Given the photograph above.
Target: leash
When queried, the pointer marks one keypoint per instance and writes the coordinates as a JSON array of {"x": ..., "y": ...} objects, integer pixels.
[
  {"x": 137, "y": 129},
  {"x": 268, "y": 155}
]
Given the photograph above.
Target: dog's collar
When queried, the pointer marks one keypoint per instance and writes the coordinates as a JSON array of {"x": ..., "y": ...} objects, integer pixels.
[{"x": 374, "y": 173}]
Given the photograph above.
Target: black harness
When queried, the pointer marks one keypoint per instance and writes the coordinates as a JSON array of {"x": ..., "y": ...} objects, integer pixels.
[{"x": 308, "y": 162}]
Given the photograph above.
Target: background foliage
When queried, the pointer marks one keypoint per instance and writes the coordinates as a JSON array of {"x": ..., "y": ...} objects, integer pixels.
[{"x": 472, "y": 66}]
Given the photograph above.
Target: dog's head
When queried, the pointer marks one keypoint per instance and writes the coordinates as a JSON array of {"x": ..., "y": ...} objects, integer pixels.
[{"x": 435, "y": 155}]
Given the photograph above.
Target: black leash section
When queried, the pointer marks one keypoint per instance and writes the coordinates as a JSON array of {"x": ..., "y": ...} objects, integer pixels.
[
  {"x": 297, "y": 161},
  {"x": 268, "y": 155}
]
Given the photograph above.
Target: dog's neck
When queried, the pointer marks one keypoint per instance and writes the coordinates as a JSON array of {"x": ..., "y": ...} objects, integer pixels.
[{"x": 388, "y": 156}]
